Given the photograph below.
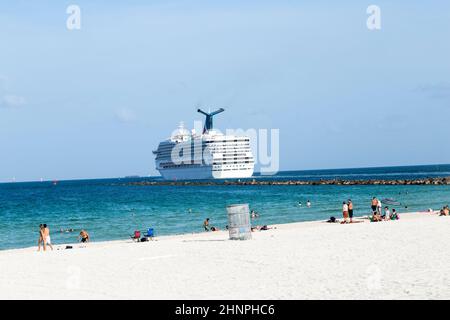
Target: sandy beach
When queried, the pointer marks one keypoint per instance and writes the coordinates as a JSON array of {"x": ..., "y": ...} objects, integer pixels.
[{"x": 405, "y": 259}]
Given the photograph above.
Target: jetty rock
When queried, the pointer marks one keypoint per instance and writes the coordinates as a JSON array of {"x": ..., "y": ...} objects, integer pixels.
[{"x": 291, "y": 182}]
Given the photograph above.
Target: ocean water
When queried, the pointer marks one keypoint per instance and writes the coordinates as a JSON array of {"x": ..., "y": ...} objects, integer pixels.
[{"x": 112, "y": 209}]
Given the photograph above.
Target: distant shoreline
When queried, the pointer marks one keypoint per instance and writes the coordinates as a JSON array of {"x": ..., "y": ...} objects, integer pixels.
[{"x": 290, "y": 182}]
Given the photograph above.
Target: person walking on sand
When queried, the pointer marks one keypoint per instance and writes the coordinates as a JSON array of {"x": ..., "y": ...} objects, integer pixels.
[
  {"x": 350, "y": 210},
  {"x": 46, "y": 237},
  {"x": 374, "y": 204},
  {"x": 345, "y": 212},
  {"x": 41, "y": 236}
]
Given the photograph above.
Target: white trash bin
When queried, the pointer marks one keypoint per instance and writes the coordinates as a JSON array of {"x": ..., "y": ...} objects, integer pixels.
[{"x": 239, "y": 222}]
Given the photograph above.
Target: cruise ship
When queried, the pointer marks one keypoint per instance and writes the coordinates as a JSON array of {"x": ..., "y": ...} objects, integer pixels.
[{"x": 187, "y": 155}]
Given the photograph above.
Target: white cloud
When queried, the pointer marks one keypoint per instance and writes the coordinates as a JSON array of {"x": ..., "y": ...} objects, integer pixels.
[
  {"x": 12, "y": 101},
  {"x": 125, "y": 115}
]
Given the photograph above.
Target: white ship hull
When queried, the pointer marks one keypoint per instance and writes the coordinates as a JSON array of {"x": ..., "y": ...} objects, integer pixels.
[{"x": 203, "y": 172}]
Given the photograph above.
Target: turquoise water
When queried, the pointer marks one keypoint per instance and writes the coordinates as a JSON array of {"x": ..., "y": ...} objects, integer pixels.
[{"x": 111, "y": 209}]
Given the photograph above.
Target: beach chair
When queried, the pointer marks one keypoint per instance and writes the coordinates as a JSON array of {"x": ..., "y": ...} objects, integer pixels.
[
  {"x": 136, "y": 236},
  {"x": 150, "y": 233}
]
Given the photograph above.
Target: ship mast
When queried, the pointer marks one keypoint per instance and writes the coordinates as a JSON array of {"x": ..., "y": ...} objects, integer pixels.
[{"x": 209, "y": 118}]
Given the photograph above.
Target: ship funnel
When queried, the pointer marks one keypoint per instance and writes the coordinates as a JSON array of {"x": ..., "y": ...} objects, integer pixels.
[{"x": 209, "y": 118}]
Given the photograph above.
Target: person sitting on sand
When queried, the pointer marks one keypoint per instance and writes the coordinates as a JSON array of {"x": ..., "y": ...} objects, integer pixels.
[
  {"x": 46, "y": 237},
  {"x": 206, "y": 224},
  {"x": 387, "y": 214},
  {"x": 332, "y": 220},
  {"x": 41, "y": 236},
  {"x": 84, "y": 236},
  {"x": 260, "y": 228},
  {"x": 445, "y": 211},
  {"x": 394, "y": 215},
  {"x": 376, "y": 217},
  {"x": 214, "y": 228},
  {"x": 345, "y": 212}
]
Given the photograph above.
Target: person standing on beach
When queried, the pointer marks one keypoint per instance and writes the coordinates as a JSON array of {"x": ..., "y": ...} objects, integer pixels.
[
  {"x": 206, "y": 224},
  {"x": 345, "y": 212},
  {"x": 41, "y": 236},
  {"x": 84, "y": 236},
  {"x": 374, "y": 204},
  {"x": 46, "y": 237},
  {"x": 350, "y": 210},
  {"x": 379, "y": 206}
]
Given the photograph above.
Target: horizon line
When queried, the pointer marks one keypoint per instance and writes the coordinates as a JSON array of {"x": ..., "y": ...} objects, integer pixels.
[{"x": 257, "y": 173}]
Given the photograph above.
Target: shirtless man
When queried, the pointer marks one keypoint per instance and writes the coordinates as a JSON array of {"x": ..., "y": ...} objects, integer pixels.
[
  {"x": 46, "y": 237},
  {"x": 84, "y": 236},
  {"x": 350, "y": 210}
]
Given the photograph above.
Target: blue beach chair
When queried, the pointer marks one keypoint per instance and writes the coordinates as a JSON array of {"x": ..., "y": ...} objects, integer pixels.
[{"x": 150, "y": 233}]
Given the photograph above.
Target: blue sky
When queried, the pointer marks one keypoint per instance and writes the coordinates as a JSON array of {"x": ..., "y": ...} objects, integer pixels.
[{"x": 95, "y": 102}]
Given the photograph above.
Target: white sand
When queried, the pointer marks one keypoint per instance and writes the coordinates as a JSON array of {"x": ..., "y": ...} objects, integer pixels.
[{"x": 408, "y": 259}]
